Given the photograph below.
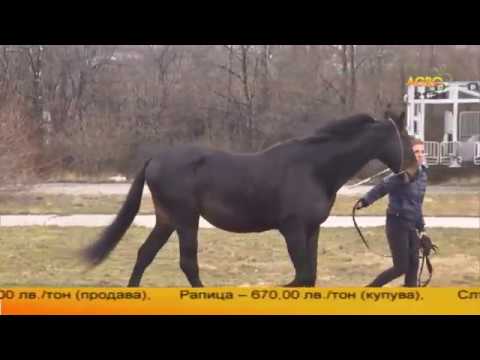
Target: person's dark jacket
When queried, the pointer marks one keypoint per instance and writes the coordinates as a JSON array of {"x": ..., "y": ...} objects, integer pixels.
[{"x": 405, "y": 197}]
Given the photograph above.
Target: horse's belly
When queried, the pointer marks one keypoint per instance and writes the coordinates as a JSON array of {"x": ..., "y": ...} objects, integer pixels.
[
  {"x": 237, "y": 226},
  {"x": 235, "y": 220}
]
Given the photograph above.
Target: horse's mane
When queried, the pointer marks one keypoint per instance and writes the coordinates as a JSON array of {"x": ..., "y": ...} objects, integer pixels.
[
  {"x": 345, "y": 127},
  {"x": 333, "y": 129}
]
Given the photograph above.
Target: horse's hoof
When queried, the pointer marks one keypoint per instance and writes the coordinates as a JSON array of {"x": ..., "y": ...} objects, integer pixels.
[{"x": 298, "y": 285}]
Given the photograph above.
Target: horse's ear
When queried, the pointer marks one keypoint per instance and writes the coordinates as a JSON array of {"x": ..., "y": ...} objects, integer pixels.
[
  {"x": 399, "y": 120},
  {"x": 389, "y": 113}
]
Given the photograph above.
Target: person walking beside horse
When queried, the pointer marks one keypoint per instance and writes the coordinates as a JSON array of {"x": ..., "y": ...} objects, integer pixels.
[{"x": 405, "y": 225}]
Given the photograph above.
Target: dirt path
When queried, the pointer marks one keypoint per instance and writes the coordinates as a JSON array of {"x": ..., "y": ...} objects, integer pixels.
[
  {"x": 122, "y": 189},
  {"x": 149, "y": 221}
]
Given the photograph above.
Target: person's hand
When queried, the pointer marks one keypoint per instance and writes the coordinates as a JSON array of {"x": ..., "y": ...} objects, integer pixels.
[
  {"x": 421, "y": 233},
  {"x": 360, "y": 204},
  {"x": 427, "y": 244}
]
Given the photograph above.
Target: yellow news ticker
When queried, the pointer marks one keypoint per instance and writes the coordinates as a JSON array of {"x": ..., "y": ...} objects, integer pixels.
[{"x": 240, "y": 301}]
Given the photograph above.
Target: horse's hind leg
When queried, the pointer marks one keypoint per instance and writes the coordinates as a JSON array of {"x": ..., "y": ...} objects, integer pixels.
[
  {"x": 188, "y": 239},
  {"x": 157, "y": 238}
]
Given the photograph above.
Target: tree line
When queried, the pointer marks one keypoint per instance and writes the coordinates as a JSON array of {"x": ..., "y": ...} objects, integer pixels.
[{"x": 91, "y": 108}]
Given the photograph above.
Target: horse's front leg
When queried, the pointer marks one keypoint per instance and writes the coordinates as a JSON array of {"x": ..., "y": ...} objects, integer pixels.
[
  {"x": 302, "y": 245},
  {"x": 312, "y": 252}
]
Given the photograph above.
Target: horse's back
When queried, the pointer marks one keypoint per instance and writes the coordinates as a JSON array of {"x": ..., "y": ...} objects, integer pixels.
[
  {"x": 233, "y": 191},
  {"x": 173, "y": 163},
  {"x": 192, "y": 165}
]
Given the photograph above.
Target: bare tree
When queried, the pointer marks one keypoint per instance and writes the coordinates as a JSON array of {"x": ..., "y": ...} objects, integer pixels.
[
  {"x": 19, "y": 151},
  {"x": 248, "y": 90},
  {"x": 96, "y": 101}
]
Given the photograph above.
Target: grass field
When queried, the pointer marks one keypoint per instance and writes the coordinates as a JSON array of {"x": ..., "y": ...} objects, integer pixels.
[
  {"x": 461, "y": 204},
  {"x": 46, "y": 256}
]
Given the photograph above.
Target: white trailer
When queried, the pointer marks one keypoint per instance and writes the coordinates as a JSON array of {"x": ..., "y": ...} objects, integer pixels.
[{"x": 460, "y": 145}]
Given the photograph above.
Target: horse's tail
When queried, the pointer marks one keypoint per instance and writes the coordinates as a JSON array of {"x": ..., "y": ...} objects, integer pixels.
[{"x": 98, "y": 251}]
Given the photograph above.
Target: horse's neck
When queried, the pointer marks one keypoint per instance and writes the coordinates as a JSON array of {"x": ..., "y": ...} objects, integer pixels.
[
  {"x": 351, "y": 158},
  {"x": 343, "y": 161},
  {"x": 357, "y": 160}
]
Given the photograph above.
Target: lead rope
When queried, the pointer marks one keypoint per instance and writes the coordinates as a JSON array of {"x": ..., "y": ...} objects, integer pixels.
[
  {"x": 427, "y": 247},
  {"x": 360, "y": 232},
  {"x": 366, "y": 180}
]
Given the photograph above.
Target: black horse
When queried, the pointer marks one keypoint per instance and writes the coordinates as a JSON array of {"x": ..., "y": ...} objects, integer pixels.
[{"x": 290, "y": 187}]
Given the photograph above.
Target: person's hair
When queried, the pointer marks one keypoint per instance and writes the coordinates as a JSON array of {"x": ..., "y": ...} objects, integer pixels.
[{"x": 417, "y": 141}]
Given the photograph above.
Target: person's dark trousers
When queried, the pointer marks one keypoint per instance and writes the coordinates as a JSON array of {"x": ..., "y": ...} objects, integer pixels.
[{"x": 404, "y": 246}]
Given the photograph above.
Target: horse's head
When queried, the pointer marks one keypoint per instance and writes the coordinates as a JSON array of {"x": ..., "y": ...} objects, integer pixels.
[{"x": 397, "y": 151}]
